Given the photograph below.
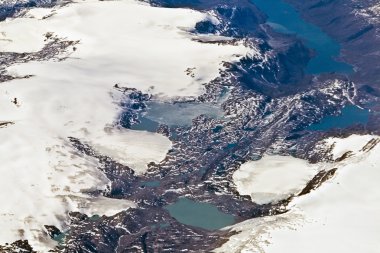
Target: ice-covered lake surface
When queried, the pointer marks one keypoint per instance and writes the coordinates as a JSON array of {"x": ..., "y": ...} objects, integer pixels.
[
  {"x": 273, "y": 178},
  {"x": 174, "y": 114}
]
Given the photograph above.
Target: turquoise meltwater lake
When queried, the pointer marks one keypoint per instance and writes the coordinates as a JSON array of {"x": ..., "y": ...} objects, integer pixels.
[{"x": 198, "y": 214}]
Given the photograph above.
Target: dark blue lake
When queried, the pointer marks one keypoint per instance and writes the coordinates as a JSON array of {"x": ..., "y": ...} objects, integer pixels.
[
  {"x": 283, "y": 18},
  {"x": 350, "y": 115},
  {"x": 199, "y": 214}
]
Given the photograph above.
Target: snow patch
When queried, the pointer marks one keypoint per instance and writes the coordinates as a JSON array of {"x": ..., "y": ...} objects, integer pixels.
[
  {"x": 273, "y": 178},
  {"x": 132, "y": 148},
  {"x": 353, "y": 143}
]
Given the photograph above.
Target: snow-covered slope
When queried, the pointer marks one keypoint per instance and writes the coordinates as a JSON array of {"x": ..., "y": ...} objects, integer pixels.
[
  {"x": 124, "y": 42},
  {"x": 340, "y": 216},
  {"x": 371, "y": 13},
  {"x": 138, "y": 45}
]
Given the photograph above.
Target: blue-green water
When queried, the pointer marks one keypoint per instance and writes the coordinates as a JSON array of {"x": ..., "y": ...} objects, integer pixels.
[
  {"x": 146, "y": 125},
  {"x": 60, "y": 239},
  {"x": 151, "y": 184},
  {"x": 350, "y": 115},
  {"x": 230, "y": 146},
  {"x": 180, "y": 114},
  {"x": 283, "y": 18},
  {"x": 173, "y": 115},
  {"x": 95, "y": 217},
  {"x": 199, "y": 214}
]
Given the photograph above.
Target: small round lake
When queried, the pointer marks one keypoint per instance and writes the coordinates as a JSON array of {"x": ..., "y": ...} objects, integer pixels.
[{"x": 197, "y": 214}]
